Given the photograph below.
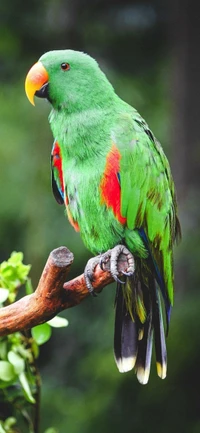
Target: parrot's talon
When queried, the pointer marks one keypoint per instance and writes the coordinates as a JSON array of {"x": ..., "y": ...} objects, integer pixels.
[
  {"x": 90, "y": 287},
  {"x": 104, "y": 258},
  {"x": 101, "y": 263},
  {"x": 127, "y": 274},
  {"x": 118, "y": 280},
  {"x": 93, "y": 294}
]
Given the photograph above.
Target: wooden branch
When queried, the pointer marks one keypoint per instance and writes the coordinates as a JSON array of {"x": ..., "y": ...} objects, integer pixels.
[{"x": 53, "y": 294}]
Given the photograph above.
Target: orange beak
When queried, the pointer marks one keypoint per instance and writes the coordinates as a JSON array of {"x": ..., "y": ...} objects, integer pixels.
[{"x": 35, "y": 79}]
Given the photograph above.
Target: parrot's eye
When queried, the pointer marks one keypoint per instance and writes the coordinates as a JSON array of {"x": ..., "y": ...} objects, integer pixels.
[{"x": 65, "y": 66}]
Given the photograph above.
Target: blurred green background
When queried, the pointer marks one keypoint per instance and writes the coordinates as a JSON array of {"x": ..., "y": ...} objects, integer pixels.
[{"x": 150, "y": 52}]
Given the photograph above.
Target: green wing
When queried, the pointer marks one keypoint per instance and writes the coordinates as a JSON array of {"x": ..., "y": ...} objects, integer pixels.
[{"x": 147, "y": 196}]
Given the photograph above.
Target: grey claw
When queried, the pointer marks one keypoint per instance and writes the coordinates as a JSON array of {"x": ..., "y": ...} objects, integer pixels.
[
  {"x": 118, "y": 280},
  {"x": 90, "y": 287},
  {"x": 104, "y": 258},
  {"x": 127, "y": 274},
  {"x": 101, "y": 263}
]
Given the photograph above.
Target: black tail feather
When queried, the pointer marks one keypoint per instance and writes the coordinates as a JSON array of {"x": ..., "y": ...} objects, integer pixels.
[
  {"x": 143, "y": 362},
  {"x": 126, "y": 335},
  {"x": 133, "y": 340},
  {"x": 159, "y": 335}
]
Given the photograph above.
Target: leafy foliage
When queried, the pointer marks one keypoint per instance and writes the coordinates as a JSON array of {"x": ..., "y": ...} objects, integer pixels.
[
  {"x": 13, "y": 274},
  {"x": 19, "y": 375}
]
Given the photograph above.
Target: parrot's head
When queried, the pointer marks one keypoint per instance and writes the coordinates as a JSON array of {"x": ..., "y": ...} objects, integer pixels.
[{"x": 68, "y": 79}]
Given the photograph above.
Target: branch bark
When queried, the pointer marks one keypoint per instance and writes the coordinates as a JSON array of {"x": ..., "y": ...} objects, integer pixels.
[{"x": 53, "y": 294}]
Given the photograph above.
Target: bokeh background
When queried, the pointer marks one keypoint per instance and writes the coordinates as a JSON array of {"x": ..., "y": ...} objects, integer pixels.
[{"x": 150, "y": 52}]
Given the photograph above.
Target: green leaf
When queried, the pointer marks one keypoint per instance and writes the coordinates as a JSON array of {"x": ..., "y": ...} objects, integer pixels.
[
  {"x": 41, "y": 333},
  {"x": 29, "y": 287},
  {"x": 13, "y": 272},
  {"x": 16, "y": 258},
  {"x": 4, "y": 384},
  {"x": 17, "y": 362},
  {"x": 25, "y": 385},
  {"x": 3, "y": 348},
  {"x": 35, "y": 349},
  {"x": 7, "y": 372},
  {"x": 58, "y": 322},
  {"x": 25, "y": 353},
  {"x": 9, "y": 422},
  {"x": 3, "y": 295},
  {"x": 12, "y": 297},
  {"x": 2, "y": 429}
]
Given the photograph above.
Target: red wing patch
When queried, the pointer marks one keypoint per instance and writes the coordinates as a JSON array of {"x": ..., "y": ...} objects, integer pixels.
[
  {"x": 110, "y": 186},
  {"x": 57, "y": 163}
]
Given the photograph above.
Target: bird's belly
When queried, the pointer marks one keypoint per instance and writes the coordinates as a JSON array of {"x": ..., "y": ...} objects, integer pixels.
[
  {"x": 101, "y": 234},
  {"x": 97, "y": 224}
]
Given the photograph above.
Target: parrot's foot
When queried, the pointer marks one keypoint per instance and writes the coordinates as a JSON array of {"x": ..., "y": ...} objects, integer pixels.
[{"x": 113, "y": 255}]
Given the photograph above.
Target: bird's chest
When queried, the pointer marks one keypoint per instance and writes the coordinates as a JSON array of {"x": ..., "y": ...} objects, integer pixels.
[
  {"x": 82, "y": 195},
  {"x": 85, "y": 209},
  {"x": 76, "y": 198}
]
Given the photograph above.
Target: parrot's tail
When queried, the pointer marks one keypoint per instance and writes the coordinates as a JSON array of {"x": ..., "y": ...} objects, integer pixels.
[{"x": 138, "y": 319}]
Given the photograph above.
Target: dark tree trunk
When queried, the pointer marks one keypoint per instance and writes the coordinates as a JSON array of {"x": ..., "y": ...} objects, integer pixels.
[
  {"x": 185, "y": 39},
  {"x": 185, "y": 26}
]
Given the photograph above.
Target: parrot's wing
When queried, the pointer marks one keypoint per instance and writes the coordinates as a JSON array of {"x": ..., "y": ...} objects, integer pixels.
[
  {"x": 148, "y": 199},
  {"x": 148, "y": 205},
  {"x": 56, "y": 173}
]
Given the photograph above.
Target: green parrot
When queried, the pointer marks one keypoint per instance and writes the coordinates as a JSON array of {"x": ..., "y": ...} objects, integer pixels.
[{"x": 115, "y": 181}]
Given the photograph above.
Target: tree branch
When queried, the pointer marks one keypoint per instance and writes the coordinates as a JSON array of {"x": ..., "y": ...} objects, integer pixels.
[{"x": 53, "y": 294}]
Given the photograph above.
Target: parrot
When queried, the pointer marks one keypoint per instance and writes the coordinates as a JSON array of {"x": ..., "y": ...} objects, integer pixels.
[{"x": 114, "y": 179}]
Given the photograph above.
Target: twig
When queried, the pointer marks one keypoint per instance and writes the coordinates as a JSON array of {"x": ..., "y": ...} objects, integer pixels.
[{"x": 53, "y": 294}]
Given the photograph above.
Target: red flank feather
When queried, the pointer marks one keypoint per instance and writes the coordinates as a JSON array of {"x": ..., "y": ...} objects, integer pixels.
[
  {"x": 110, "y": 186},
  {"x": 57, "y": 162}
]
